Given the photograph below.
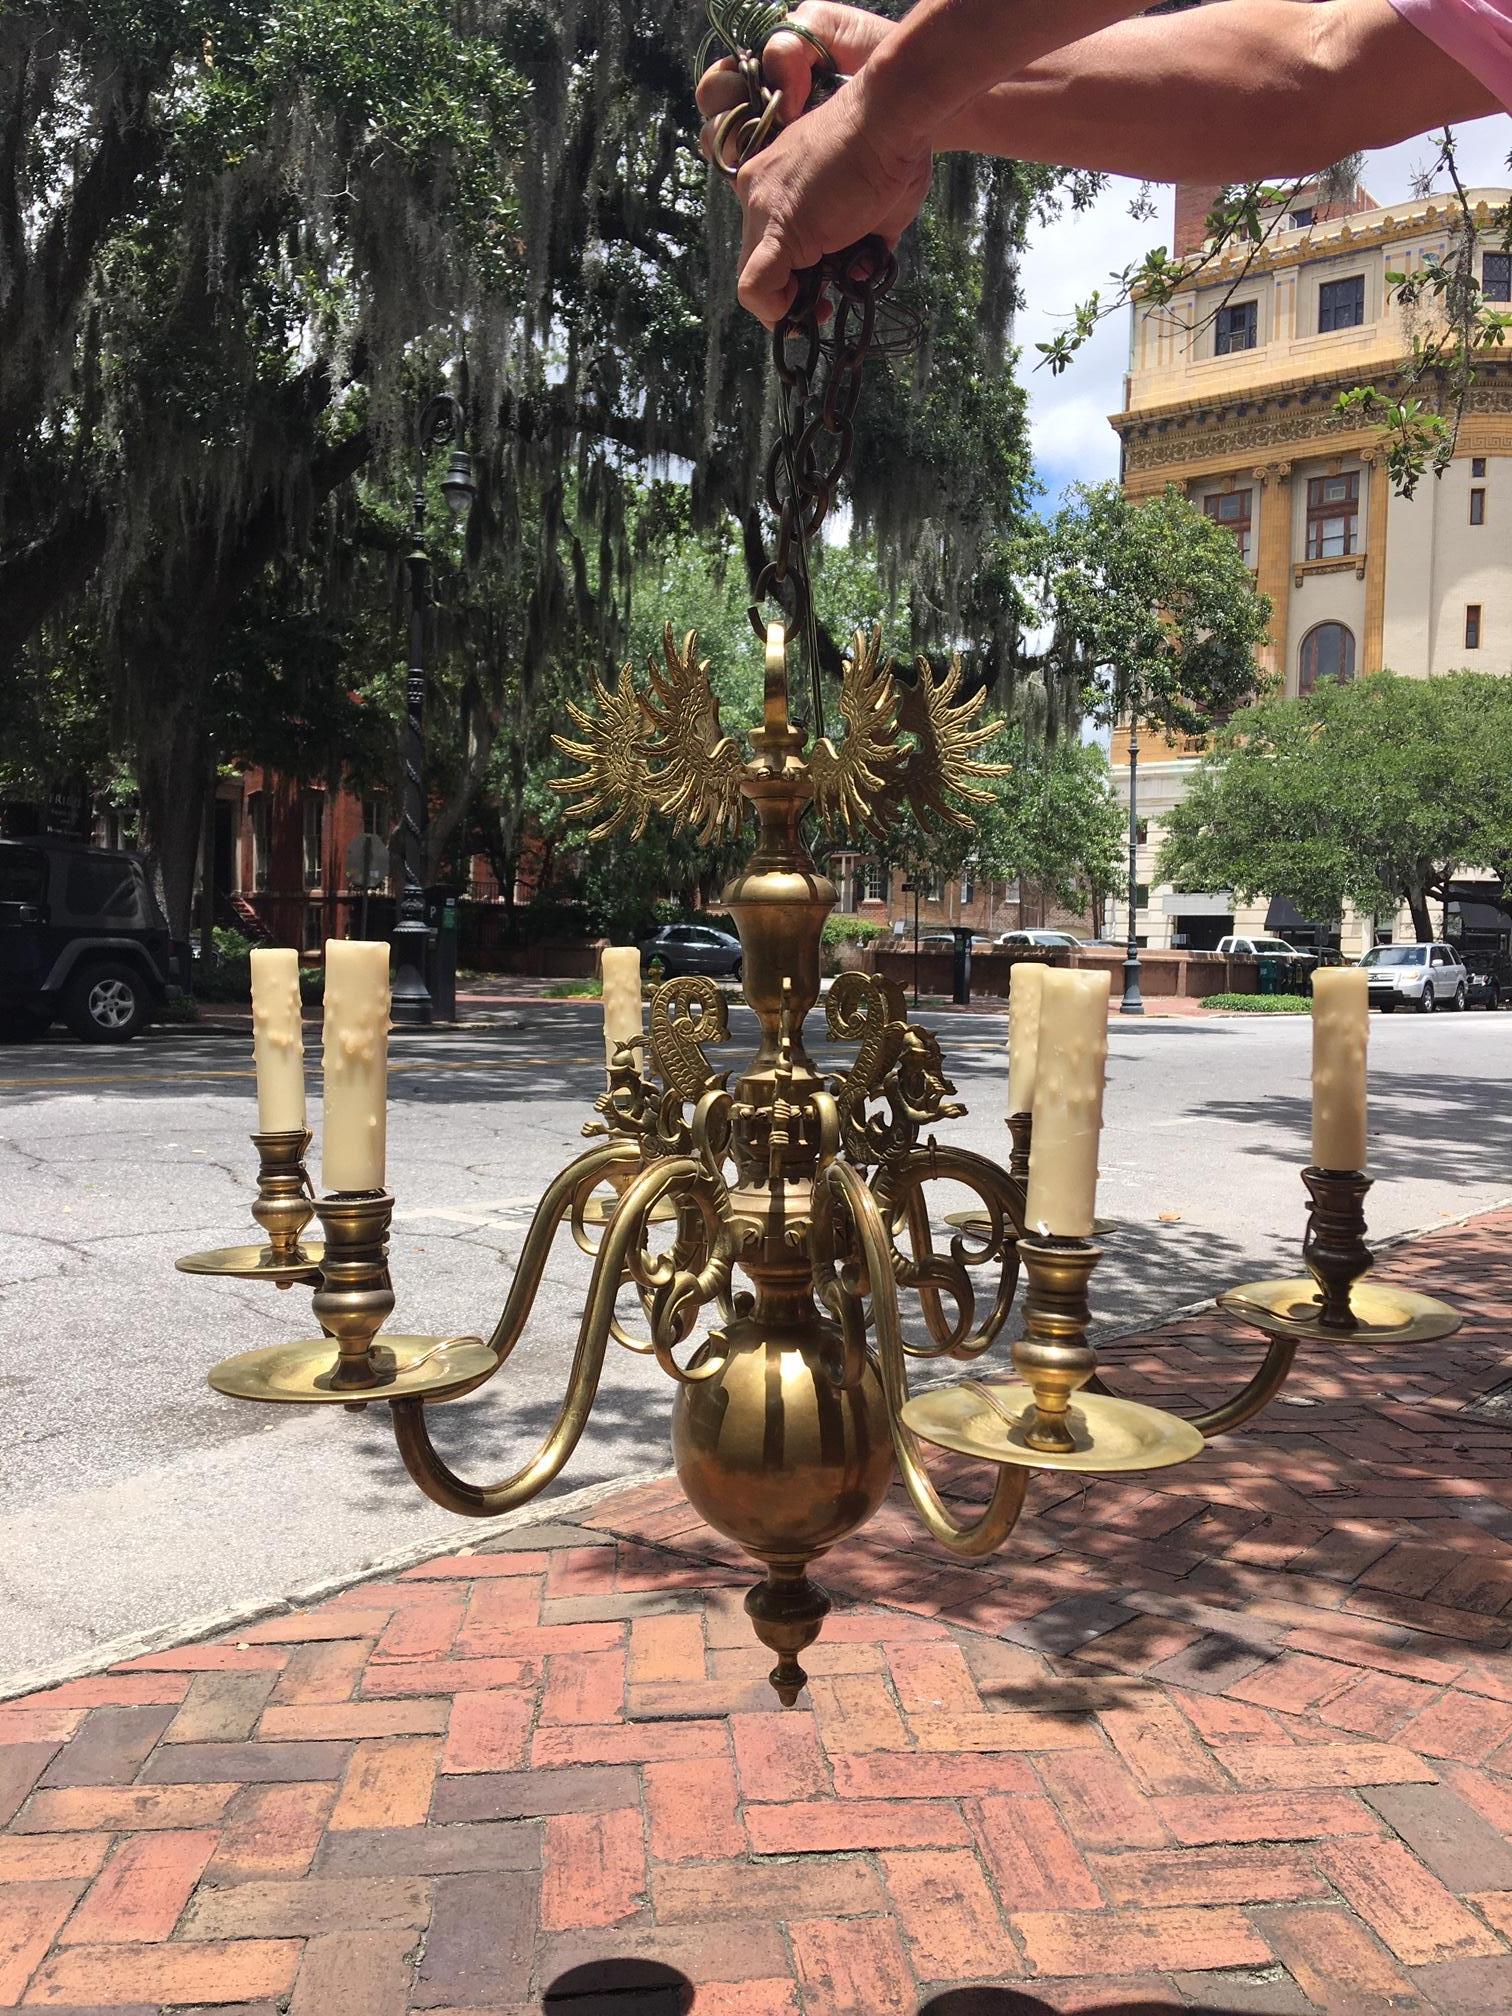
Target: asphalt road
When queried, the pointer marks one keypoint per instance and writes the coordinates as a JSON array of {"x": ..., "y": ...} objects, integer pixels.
[{"x": 133, "y": 1498}]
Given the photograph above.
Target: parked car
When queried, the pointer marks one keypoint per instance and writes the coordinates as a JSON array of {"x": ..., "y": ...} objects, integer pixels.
[
  {"x": 1489, "y": 977},
  {"x": 944, "y": 941},
  {"x": 1049, "y": 941},
  {"x": 81, "y": 937},
  {"x": 693, "y": 948},
  {"x": 1263, "y": 948},
  {"x": 1427, "y": 976}
]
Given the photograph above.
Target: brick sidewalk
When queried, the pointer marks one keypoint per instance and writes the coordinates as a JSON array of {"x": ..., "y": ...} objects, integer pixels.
[{"x": 1238, "y": 1738}]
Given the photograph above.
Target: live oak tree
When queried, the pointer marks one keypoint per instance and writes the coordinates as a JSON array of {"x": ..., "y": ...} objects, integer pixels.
[
  {"x": 1376, "y": 792},
  {"x": 1152, "y": 613},
  {"x": 241, "y": 241}
]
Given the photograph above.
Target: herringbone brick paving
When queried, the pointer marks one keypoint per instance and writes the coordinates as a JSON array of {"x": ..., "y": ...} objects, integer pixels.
[{"x": 1238, "y": 1737}]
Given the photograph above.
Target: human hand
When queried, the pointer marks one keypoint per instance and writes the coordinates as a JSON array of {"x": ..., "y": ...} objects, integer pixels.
[
  {"x": 848, "y": 175},
  {"x": 788, "y": 62}
]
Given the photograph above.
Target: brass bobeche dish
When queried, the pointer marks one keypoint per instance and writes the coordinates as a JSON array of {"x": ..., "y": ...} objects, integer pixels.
[
  {"x": 285, "y": 1204},
  {"x": 1334, "y": 1303},
  {"x": 802, "y": 1220}
]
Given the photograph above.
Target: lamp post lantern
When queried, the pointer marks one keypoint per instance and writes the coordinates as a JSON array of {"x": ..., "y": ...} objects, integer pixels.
[
  {"x": 440, "y": 424},
  {"x": 1133, "y": 1001}
]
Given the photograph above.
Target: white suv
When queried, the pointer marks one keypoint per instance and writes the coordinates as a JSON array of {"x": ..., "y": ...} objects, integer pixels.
[{"x": 1429, "y": 976}]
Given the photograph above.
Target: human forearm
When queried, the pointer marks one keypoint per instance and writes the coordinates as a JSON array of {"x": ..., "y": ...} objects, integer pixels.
[
  {"x": 1254, "y": 88},
  {"x": 944, "y": 52}
]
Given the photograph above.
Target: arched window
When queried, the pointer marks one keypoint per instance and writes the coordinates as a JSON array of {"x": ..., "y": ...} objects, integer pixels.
[{"x": 1328, "y": 652}]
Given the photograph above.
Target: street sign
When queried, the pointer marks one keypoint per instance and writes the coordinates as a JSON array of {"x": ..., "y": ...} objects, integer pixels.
[{"x": 367, "y": 862}]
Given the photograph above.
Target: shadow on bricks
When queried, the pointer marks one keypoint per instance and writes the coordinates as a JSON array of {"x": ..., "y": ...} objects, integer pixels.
[{"x": 619, "y": 1988}]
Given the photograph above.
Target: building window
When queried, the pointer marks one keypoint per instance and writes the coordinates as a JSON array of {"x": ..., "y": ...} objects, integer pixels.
[
  {"x": 876, "y": 882},
  {"x": 1141, "y": 895},
  {"x": 1333, "y": 509},
  {"x": 934, "y": 887},
  {"x": 1298, "y": 220},
  {"x": 1141, "y": 832},
  {"x": 968, "y": 883},
  {"x": 1341, "y": 304},
  {"x": 1472, "y": 626},
  {"x": 1232, "y": 511},
  {"x": 375, "y": 818},
  {"x": 1237, "y": 328},
  {"x": 1477, "y": 465},
  {"x": 314, "y": 838},
  {"x": 257, "y": 819},
  {"x": 1496, "y": 276},
  {"x": 1328, "y": 652},
  {"x": 1477, "y": 507}
]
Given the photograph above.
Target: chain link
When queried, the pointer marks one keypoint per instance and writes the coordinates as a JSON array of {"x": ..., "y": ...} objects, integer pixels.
[{"x": 819, "y": 353}]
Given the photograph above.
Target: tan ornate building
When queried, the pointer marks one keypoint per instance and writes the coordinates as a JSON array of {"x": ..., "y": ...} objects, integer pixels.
[{"x": 1230, "y": 393}]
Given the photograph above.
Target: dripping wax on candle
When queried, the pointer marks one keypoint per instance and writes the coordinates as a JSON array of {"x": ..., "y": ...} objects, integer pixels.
[
  {"x": 1068, "y": 1096},
  {"x": 277, "y": 1040},
  {"x": 1025, "y": 994},
  {"x": 1340, "y": 1033},
  {"x": 354, "y": 1132}
]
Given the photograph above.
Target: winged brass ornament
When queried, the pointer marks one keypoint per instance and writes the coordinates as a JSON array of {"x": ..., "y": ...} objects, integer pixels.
[
  {"x": 616, "y": 778},
  {"x": 946, "y": 733},
  {"x": 698, "y": 782},
  {"x": 849, "y": 780}
]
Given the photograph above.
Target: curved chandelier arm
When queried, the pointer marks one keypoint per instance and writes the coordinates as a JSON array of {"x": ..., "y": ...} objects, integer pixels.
[
  {"x": 1252, "y": 1399},
  {"x": 1259, "y": 1393},
  {"x": 624, "y": 1235},
  {"x": 568, "y": 1191},
  {"x": 900, "y": 1190},
  {"x": 840, "y": 1184}
]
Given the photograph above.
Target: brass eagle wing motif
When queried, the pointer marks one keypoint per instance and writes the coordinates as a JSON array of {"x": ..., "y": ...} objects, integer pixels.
[
  {"x": 946, "y": 734},
  {"x": 701, "y": 766},
  {"x": 848, "y": 781},
  {"x": 615, "y": 778}
]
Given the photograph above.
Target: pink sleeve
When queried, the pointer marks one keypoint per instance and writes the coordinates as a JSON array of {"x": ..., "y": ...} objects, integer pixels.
[{"x": 1476, "y": 33}]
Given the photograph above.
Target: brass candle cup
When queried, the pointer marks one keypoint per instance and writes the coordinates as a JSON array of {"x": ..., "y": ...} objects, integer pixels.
[
  {"x": 1021, "y": 1134},
  {"x": 285, "y": 1203},
  {"x": 353, "y": 1300},
  {"x": 283, "y": 1208},
  {"x": 1334, "y": 1302},
  {"x": 1049, "y": 1421}
]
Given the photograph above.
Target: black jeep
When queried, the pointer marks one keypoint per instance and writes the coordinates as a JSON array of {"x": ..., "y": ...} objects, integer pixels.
[{"x": 81, "y": 937}]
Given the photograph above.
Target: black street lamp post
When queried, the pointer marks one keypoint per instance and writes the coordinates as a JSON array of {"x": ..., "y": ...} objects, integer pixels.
[
  {"x": 1133, "y": 1001},
  {"x": 440, "y": 424}
]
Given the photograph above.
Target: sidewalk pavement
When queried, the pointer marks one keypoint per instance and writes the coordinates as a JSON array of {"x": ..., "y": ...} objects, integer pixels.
[{"x": 1234, "y": 1737}]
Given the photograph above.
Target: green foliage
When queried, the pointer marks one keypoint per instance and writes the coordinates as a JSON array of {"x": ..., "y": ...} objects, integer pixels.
[
  {"x": 1151, "y": 606},
  {"x": 842, "y": 929},
  {"x": 1373, "y": 792},
  {"x": 1260, "y": 1004}
]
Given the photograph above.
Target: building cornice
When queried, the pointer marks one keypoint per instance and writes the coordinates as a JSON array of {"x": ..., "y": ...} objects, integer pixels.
[
  {"x": 1348, "y": 234},
  {"x": 1283, "y": 415}
]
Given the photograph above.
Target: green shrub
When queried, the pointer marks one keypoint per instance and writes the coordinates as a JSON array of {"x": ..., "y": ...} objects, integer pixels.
[
  {"x": 1260, "y": 1004},
  {"x": 576, "y": 990},
  {"x": 841, "y": 929}
]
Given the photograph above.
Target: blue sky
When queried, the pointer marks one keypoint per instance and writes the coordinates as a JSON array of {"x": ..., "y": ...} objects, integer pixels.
[{"x": 1064, "y": 263}]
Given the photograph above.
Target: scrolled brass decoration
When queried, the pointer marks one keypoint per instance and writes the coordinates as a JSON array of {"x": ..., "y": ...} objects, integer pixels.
[{"x": 943, "y": 763}]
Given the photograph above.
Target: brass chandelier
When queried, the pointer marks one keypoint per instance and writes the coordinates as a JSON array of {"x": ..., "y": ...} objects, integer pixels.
[{"x": 799, "y": 1229}]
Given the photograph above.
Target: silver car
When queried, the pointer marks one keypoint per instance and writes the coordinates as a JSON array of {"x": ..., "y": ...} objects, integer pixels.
[{"x": 1426, "y": 976}]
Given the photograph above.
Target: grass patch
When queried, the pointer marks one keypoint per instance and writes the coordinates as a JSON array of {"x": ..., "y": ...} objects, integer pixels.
[
  {"x": 576, "y": 990},
  {"x": 1260, "y": 1004}
]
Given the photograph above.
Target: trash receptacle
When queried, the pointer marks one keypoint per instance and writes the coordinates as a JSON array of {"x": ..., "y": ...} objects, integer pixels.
[{"x": 1269, "y": 968}]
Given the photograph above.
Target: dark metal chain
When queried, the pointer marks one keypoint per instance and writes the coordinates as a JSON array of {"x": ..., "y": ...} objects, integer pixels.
[{"x": 819, "y": 352}]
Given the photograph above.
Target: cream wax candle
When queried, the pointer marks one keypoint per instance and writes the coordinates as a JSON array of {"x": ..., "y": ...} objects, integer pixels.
[
  {"x": 622, "y": 997},
  {"x": 1340, "y": 1031},
  {"x": 1025, "y": 993},
  {"x": 354, "y": 1130},
  {"x": 277, "y": 1040},
  {"x": 1068, "y": 1094}
]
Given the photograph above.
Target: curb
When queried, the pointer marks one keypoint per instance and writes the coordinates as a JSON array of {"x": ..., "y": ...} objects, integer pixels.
[{"x": 542, "y": 1511}]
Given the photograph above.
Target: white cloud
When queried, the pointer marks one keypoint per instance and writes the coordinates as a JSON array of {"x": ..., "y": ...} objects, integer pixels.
[{"x": 1068, "y": 260}]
